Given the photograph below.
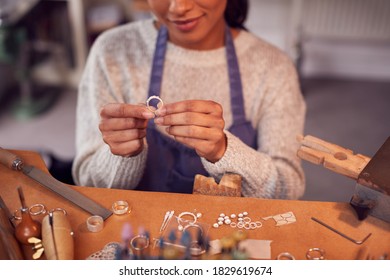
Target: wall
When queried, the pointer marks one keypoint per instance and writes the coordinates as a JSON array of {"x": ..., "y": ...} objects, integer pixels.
[{"x": 355, "y": 48}]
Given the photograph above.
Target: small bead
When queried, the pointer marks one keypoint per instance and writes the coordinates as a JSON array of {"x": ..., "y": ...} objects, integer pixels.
[
  {"x": 180, "y": 227},
  {"x": 198, "y": 215},
  {"x": 216, "y": 225},
  {"x": 240, "y": 215},
  {"x": 220, "y": 223},
  {"x": 233, "y": 216},
  {"x": 245, "y": 213},
  {"x": 228, "y": 221},
  {"x": 222, "y": 215},
  {"x": 220, "y": 219}
]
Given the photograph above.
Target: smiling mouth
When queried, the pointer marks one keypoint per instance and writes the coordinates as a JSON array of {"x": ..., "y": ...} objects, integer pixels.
[{"x": 186, "y": 25}]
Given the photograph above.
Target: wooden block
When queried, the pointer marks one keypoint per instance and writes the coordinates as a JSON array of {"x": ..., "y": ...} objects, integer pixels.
[
  {"x": 331, "y": 156},
  {"x": 230, "y": 185}
]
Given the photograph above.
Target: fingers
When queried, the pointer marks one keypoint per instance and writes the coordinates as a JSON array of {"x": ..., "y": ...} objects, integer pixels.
[
  {"x": 122, "y": 124},
  {"x": 191, "y": 118},
  {"x": 123, "y": 127},
  {"x": 122, "y": 110},
  {"x": 120, "y": 136},
  {"x": 198, "y": 106},
  {"x": 128, "y": 148}
]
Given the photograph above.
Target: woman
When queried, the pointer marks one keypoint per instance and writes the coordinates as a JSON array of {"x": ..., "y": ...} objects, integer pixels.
[{"x": 232, "y": 103}]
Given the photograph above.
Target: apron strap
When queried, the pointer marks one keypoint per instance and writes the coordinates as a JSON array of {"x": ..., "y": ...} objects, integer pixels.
[
  {"x": 158, "y": 62},
  {"x": 236, "y": 92}
]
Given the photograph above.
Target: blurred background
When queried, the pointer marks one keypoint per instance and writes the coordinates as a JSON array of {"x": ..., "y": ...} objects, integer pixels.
[{"x": 341, "y": 49}]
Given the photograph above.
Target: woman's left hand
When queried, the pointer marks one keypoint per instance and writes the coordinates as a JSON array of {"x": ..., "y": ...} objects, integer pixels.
[{"x": 198, "y": 124}]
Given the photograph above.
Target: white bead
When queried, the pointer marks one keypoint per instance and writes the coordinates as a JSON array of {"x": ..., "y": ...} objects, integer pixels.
[
  {"x": 232, "y": 216},
  {"x": 222, "y": 215},
  {"x": 220, "y": 223},
  {"x": 228, "y": 221},
  {"x": 198, "y": 215},
  {"x": 240, "y": 219},
  {"x": 220, "y": 219},
  {"x": 245, "y": 213},
  {"x": 226, "y": 217},
  {"x": 216, "y": 225},
  {"x": 180, "y": 227},
  {"x": 240, "y": 215}
]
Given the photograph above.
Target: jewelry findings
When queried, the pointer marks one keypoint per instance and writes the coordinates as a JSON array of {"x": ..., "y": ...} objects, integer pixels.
[{"x": 168, "y": 216}]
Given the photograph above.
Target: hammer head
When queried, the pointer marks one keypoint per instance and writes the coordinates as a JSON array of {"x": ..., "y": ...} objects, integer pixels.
[{"x": 372, "y": 192}]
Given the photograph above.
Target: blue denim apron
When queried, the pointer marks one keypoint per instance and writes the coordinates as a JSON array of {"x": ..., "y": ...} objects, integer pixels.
[{"x": 171, "y": 166}]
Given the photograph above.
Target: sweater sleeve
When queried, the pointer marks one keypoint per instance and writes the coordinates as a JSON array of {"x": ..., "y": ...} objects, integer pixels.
[
  {"x": 273, "y": 170},
  {"x": 94, "y": 164}
]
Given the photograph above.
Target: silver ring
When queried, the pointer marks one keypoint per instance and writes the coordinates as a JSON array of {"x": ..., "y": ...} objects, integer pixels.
[
  {"x": 120, "y": 207},
  {"x": 285, "y": 256},
  {"x": 315, "y": 254},
  {"x": 152, "y": 108},
  {"x": 134, "y": 241},
  {"x": 193, "y": 226},
  {"x": 39, "y": 209},
  {"x": 187, "y": 214},
  {"x": 58, "y": 209},
  {"x": 95, "y": 223}
]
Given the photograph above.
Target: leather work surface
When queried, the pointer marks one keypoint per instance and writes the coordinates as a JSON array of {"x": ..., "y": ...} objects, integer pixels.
[{"x": 149, "y": 208}]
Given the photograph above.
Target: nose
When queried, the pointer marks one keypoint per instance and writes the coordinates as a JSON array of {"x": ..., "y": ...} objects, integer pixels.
[{"x": 180, "y": 7}]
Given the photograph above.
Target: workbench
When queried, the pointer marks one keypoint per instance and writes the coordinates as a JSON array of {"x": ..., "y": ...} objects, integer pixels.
[{"x": 148, "y": 210}]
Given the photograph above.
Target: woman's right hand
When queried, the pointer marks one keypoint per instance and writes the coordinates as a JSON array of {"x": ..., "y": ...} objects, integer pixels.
[{"x": 123, "y": 127}]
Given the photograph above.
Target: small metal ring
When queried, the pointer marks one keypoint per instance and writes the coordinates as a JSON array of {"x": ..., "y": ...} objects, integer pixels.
[
  {"x": 233, "y": 224},
  {"x": 252, "y": 225},
  {"x": 285, "y": 256},
  {"x": 258, "y": 224},
  {"x": 187, "y": 214},
  {"x": 247, "y": 226},
  {"x": 40, "y": 209},
  {"x": 194, "y": 226},
  {"x": 135, "y": 239},
  {"x": 95, "y": 223},
  {"x": 247, "y": 219},
  {"x": 315, "y": 254},
  {"x": 152, "y": 108},
  {"x": 120, "y": 207},
  {"x": 58, "y": 209}
]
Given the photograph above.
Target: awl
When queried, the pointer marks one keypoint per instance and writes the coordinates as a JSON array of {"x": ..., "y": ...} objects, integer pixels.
[{"x": 16, "y": 163}]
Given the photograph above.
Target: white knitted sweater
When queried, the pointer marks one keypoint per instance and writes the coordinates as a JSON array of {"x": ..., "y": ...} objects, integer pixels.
[{"x": 118, "y": 70}]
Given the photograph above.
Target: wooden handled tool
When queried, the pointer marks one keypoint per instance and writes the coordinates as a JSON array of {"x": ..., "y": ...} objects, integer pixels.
[{"x": 14, "y": 162}]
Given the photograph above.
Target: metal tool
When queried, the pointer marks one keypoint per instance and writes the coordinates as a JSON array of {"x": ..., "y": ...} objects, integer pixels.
[
  {"x": 372, "y": 191},
  {"x": 16, "y": 163},
  {"x": 358, "y": 242}
]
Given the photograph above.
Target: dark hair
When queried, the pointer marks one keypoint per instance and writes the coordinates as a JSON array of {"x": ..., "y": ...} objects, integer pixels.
[{"x": 236, "y": 12}]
